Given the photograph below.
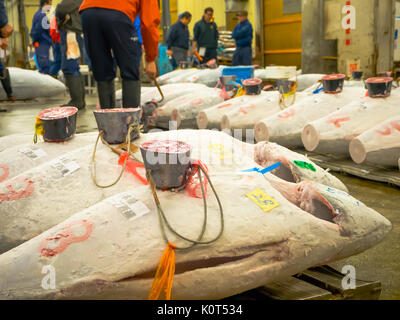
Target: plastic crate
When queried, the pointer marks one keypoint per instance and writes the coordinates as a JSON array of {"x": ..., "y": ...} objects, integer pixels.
[{"x": 241, "y": 73}]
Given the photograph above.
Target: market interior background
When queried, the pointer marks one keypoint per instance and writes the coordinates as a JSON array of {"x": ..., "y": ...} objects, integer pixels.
[{"x": 287, "y": 33}]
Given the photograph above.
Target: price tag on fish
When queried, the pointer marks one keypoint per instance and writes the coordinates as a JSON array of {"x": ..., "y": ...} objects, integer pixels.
[
  {"x": 264, "y": 201},
  {"x": 129, "y": 206},
  {"x": 33, "y": 153},
  {"x": 66, "y": 166}
]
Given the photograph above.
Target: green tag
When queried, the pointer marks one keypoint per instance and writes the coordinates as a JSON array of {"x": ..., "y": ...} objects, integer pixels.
[{"x": 305, "y": 165}]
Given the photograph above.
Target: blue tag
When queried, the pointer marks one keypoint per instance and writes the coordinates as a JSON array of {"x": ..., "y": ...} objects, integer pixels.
[
  {"x": 318, "y": 90},
  {"x": 264, "y": 171}
]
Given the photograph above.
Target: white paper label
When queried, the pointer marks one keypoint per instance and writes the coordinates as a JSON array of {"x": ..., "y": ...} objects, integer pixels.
[
  {"x": 202, "y": 51},
  {"x": 129, "y": 206},
  {"x": 66, "y": 166},
  {"x": 33, "y": 153}
]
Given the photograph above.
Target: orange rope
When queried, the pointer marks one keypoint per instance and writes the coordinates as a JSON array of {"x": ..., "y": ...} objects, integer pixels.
[{"x": 164, "y": 274}]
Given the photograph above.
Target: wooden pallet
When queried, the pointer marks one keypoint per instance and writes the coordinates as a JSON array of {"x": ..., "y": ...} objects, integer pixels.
[
  {"x": 346, "y": 165},
  {"x": 320, "y": 283}
]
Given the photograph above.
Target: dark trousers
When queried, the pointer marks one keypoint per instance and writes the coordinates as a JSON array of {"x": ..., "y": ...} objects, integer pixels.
[
  {"x": 55, "y": 65},
  {"x": 42, "y": 56},
  {"x": 242, "y": 56},
  {"x": 210, "y": 54},
  {"x": 107, "y": 33},
  {"x": 70, "y": 66}
]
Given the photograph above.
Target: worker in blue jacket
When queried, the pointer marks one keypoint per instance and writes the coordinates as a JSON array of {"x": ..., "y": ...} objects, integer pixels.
[
  {"x": 41, "y": 38},
  {"x": 243, "y": 35},
  {"x": 5, "y": 31},
  {"x": 178, "y": 39}
]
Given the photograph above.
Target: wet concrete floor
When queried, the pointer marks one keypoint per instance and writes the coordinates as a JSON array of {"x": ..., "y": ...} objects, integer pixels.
[{"x": 380, "y": 263}]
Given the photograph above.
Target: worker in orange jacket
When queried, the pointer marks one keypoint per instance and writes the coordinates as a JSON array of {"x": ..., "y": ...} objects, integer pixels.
[{"x": 109, "y": 31}]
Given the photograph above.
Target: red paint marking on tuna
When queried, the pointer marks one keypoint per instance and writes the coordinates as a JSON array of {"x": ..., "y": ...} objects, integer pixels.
[
  {"x": 13, "y": 195},
  {"x": 385, "y": 131},
  {"x": 65, "y": 238},
  {"x": 396, "y": 124},
  {"x": 249, "y": 106},
  {"x": 6, "y": 172},
  {"x": 225, "y": 105},
  {"x": 337, "y": 121},
  {"x": 287, "y": 114},
  {"x": 196, "y": 102}
]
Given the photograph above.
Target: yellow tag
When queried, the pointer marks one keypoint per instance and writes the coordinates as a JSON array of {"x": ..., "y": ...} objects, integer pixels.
[
  {"x": 265, "y": 202},
  {"x": 220, "y": 151},
  {"x": 39, "y": 130}
]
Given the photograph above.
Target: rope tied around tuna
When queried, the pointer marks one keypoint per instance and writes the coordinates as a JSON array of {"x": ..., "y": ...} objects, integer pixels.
[
  {"x": 165, "y": 272},
  {"x": 132, "y": 127}
]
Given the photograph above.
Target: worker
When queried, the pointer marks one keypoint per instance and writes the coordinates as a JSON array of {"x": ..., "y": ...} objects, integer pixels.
[
  {"x": 108, "y": 27},
  {"x": 178, "y": 39},
  {"x": 71, "y": 42},
  {"x": 40, "y": 35},
  {"x": 243, "y": 35},
  {"x": 55, "y": 65},
  {"x": 5, "y": 31},
  {"x": 205, "y": 40}
]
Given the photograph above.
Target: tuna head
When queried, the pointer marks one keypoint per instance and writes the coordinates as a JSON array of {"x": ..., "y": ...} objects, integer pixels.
[{"x": 362, "y": 226}]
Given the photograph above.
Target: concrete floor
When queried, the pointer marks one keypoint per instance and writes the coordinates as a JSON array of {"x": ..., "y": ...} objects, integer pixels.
[{"x": 381, "y": 263}]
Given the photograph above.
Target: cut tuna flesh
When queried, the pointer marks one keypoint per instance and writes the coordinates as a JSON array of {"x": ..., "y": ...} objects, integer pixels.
[
  {"x": 294, "y": 167},
  {"x": 333, "y": 133},
  {"x": 378, "y": 145},
  {"x": 285, "y": 127}
]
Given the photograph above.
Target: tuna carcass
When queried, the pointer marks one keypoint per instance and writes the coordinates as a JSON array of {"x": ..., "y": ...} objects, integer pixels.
[
  {"x": 209, "y": 77},
  {"x": 46, "y": 185},
  {"x": 285, "y": 127},
  {"x": 272, "y": 229},
  {"x": 246, "y": 115},
  {"x": 183, "y": 110},
  {"x": 29, "y": 84},
  {"x": 333, "y": 133},
  {"x": 169, "y": 77},
  {"x": 379, "y": 145},
  {"x": 22, "y": 157},
  {"x": 14, "y": 139},
  {"x": 264, "y": 103}
]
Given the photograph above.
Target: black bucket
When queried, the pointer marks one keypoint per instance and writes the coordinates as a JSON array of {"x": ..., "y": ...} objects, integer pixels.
[
  {"x": 384, "y": 74},
  {"x": 357, "y": 75},
  {"x": 168, "y": 160},
  {"x": 148, "y": 115},
  {"x": 285, "y": 86},
  {"x": 59, "y": 123},
  {"x": 252, "y": 86},
  {"x": 333, "y": 83},
  {"x": 379, "y": 87},
  {"x": 115, "y": 123}
]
